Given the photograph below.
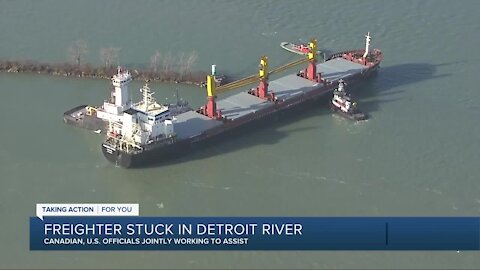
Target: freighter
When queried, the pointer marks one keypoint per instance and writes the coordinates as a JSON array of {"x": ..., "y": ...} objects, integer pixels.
[{"x": 146, "y": 132}]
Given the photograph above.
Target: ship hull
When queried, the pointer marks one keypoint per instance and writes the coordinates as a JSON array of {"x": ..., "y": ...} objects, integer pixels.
[
  {"x": 157, "y": 155},
  {"x": 77, "y": 117},
  {"x": 173, "y": 152},
  {"x": 147, "y": 157},
  {"x": 358, "y": 116}
]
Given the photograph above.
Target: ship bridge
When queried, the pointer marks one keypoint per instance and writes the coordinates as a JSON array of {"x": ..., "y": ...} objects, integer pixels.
[
  {"x": 149, "y": 106},
  {"x": 151, "y": 109}
]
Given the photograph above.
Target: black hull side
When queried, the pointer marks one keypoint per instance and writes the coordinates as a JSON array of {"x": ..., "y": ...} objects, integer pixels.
[
  {"x": 149, "y": 157},
  {"x": 358, "y": 116},
  {"x": 171, "y": 153}
]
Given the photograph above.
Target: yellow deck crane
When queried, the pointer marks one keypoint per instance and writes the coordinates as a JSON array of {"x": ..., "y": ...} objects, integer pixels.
[
  {"x": 256, "y": 77},
  {"x": 310, "y": 72},
  {"x": 91, "y": 110},
  {"x": 261, "y": 91},
  {"x": 312, "y": 60},
  {"x": 210, "y": 109}
]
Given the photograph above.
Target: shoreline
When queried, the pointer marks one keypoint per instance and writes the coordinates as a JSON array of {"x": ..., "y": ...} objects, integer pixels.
[{"x": 91, "y": 72}]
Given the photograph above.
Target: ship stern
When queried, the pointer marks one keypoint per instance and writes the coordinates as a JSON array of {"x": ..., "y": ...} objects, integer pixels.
[{"x": 116, "y": 156}]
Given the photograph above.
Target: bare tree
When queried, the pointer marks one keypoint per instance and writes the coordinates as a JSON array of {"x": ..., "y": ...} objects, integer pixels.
[
  {"x": 109, "y": 56},
  {"x": 77, "y": 51},
  {"x": 191, "y": 60},
  {"x": 167, "y": 63},
  {"x": 181, "y": 64},
  {"x": 155, "y": 61}
]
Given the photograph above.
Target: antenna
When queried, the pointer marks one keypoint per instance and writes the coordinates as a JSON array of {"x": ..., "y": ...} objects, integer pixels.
[
  {"x": 367, "y": 44},
  {"x": 145, "y": 96}
]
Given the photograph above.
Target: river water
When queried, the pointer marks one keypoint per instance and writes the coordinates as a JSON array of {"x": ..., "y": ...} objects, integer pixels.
[{"x": 417, "y": 155}]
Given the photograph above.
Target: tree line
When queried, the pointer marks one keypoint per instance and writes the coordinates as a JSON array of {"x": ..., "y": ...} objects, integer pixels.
[{"x": 167, "y": 68}]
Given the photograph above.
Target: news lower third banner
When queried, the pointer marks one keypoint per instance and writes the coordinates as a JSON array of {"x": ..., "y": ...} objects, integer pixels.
[{"x": 122, "y": 229}]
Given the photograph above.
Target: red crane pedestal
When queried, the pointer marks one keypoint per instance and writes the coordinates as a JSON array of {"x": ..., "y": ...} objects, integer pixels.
[
  {"x": 312, "y": 71},
  {"x": 211, "y": 108},
  {"x": 263, "y": 89}
]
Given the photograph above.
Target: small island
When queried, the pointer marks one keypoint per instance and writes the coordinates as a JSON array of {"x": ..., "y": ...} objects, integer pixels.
[{"x": 162, "y": 69}]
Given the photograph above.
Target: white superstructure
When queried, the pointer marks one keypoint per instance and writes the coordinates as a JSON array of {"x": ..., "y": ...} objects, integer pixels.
[
  {"x": 143, "y": 123},
  {"x": 341, "y": 99},
  {"x": 120, "y": 97}
]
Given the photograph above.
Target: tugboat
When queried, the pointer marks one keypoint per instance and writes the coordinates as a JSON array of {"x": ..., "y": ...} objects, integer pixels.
[{"x": 343, "y": 104}]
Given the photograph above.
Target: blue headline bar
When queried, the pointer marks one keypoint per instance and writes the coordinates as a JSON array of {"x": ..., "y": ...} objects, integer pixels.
[{"x": 255, "y": 233}]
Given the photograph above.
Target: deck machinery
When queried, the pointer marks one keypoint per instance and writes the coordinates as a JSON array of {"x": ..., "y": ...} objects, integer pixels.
[{"x": 218, "y": 117}]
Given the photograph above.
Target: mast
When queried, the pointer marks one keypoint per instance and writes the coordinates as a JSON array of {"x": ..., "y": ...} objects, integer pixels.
[
  {"x": 147, "y": 96},
  {"x": 367, "y": 44}
]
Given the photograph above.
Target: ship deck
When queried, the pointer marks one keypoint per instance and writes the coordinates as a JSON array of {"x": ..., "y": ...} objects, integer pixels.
[
  {"x": 78, "y": 112},
  {"x": 290, "y": 86},
  {"x": 192, "y": 123},
  {"x": 242, "y": 104},
  {"x": 339, "y": 68}
]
